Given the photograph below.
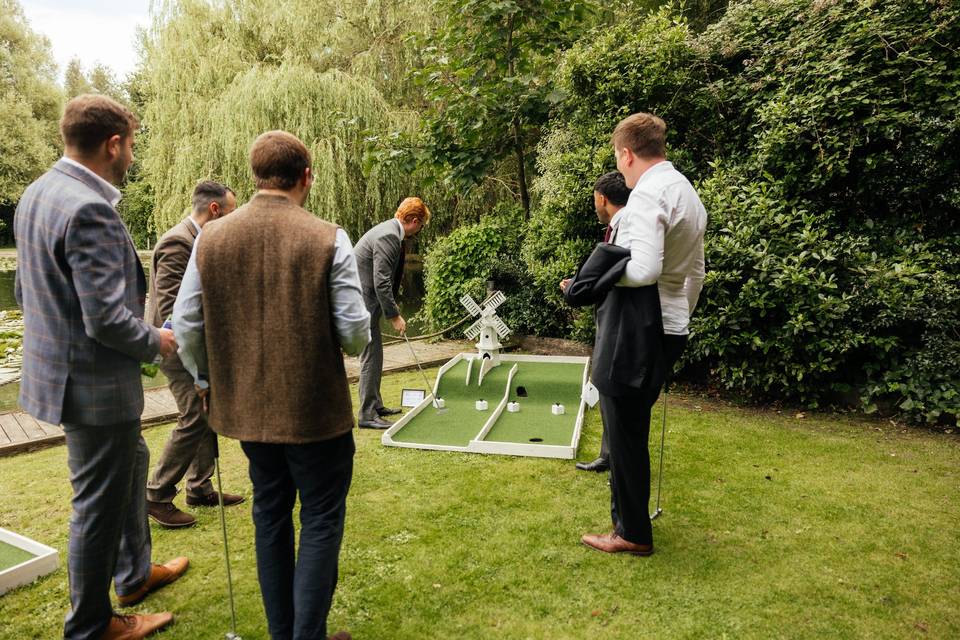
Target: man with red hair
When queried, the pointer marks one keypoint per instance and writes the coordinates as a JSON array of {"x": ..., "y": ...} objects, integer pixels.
[{"x": 380, "y": 257}]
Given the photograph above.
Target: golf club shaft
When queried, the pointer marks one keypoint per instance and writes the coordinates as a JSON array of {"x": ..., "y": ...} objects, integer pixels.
[
  {"x": 226, "y": 549},
  {"x": 417, "y": 360},
  {"x": 663, "y": 436}
]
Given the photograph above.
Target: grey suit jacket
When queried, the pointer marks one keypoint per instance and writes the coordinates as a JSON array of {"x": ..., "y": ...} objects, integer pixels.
[
  {"x": 378, "y": 258},
  {"x": 170, "y": 258},
  {"x": 81, "y": 287}
]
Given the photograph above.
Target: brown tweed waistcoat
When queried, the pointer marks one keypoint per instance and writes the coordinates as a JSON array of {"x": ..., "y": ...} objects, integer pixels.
[{"x": 275, "y": 366}]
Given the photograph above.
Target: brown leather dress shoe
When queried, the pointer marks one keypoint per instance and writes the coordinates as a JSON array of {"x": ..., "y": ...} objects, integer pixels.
[
  {"x": 136, "y": 626},
  {"x": 340, "y": 635},
  {"x": 168, "y": 516},
  {"x": 160, "y": 576},
  {"x": 211, "y": 500},
  {"x": 612, "y": 543}
]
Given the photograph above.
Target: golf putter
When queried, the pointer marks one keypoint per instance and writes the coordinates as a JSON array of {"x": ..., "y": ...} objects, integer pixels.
[
  {"x": 663, "y": 435},
  {"x": 232, "y": 634},
  {"x": 436, "y": 405}
]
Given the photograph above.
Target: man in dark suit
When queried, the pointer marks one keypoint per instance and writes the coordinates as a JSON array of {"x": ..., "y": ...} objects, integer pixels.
[
  {"x": 643, "y": 322},
  {"x": 610, "y": 193},
  {"x": 269, "y": 299},
  {"x": 380, "y": 258},
  {"x": 81, "y": 287},
  {"x": 191, "y": 446}
]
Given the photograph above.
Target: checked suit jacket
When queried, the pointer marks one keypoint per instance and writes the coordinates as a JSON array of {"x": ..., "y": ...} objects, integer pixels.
[{"x": 81, "y": 287}]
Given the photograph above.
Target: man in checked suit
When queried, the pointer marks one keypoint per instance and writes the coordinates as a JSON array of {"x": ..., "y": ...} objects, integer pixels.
[
  {"x": 380, "y": 257},
  {"x": 190, "y": 450},
  {"x": 81, "y": 287}
]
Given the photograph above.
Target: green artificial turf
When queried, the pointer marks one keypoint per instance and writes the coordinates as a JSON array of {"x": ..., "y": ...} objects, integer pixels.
[
  {"x": 461, "y": 422},
  {"x": 545, "y": 383},
  {"x": 11, "y": 556},
  {"x": 826, "y": 527}
]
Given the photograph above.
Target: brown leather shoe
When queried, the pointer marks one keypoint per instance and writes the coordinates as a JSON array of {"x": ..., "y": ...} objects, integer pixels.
[
  {"x": 136, "y": 626},
  {"x": 211, "y": 500},
  {"x": 612, "y": 543},
  {"x": 168, "y": 516},
  {"x": 340, "y": 635},
  {"x": 160, "y": 576}
]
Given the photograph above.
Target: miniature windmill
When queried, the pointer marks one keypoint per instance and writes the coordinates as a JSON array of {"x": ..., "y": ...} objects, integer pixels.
[{"x": 489, "y": 327}]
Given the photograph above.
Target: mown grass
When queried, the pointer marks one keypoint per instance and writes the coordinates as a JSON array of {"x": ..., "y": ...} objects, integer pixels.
[{"x": 773, "y": 527}]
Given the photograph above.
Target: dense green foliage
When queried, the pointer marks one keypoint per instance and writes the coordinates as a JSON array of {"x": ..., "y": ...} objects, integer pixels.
[
  {"x": 485, "y": 75},
  {"x": 29, "y": 103},
  {"x": 215, "y": 76},
  {"x": 822, "y": 136}
]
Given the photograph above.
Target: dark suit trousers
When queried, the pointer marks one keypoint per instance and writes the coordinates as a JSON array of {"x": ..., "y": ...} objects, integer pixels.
[
  {"x": 626, "y": 423},
  {"x": 189, "y": 450},
  {"x": 109, "y": 533},
  {"x": 371, "y": 370},
  {"x": 298, "y": 591}
]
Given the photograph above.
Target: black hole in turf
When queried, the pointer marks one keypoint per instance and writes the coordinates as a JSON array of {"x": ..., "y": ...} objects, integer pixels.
[
  {"x": 486, "y": 356},
  {"x": 536, "y": 439},
  {"x": 522, "y": 392}
]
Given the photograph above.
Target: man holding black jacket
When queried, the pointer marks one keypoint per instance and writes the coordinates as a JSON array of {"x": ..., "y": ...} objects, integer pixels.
[{"x": 653, "y": 275}]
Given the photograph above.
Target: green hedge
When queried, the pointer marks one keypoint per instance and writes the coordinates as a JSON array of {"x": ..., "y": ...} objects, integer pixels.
[{"x": 822, "y": 136}]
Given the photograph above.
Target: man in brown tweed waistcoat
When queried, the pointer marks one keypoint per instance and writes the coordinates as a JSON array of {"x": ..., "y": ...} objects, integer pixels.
[{"x": 269, "y": 298}]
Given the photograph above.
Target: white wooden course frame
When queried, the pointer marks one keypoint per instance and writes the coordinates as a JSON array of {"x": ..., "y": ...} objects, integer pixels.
[
  {"x": 45, "y": 561},
  {"x": 478, "y": 444}
]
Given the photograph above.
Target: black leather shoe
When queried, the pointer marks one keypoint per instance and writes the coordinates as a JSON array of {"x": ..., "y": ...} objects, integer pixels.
[
  {"x": 387, "y": 411},
  {"x": 376, "y": 423},
  {"x": 600, "y": 464}
]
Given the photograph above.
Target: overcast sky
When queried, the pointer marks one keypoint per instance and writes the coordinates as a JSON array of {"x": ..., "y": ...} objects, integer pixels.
[{"x": 94, "y": 30}]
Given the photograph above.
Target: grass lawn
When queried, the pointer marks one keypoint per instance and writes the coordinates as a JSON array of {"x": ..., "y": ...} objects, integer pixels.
[{"x": 773, "y": 527}]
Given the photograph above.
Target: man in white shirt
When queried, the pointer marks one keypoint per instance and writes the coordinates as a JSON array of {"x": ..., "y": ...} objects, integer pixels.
[{"x": 662, "y": 226}]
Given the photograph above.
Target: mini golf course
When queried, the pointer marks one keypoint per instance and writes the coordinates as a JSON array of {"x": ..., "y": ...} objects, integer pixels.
[
  {"x": 23, "y": 560},
  {"x": 535, "y": 383}
]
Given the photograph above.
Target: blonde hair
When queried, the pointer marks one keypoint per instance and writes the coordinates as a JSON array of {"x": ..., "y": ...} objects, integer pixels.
[
  {"x": 643, "y": 133},
  {"x": 412, "y": 208}
]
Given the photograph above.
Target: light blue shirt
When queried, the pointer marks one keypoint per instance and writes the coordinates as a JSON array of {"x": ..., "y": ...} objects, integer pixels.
[{"x": 351, "y": 320}]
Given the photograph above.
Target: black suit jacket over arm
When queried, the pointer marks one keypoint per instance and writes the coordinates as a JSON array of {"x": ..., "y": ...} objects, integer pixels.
[{"x": 628, "y": 349}]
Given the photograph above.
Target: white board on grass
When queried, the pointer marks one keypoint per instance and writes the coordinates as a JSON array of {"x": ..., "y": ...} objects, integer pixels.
[{"x": 44, "y": 561}]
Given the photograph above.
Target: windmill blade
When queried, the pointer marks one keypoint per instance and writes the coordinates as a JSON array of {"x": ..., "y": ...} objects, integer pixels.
[
  {"x": 470, "y": 304},
  {"x": 502, "y": 329},
  {"x": 473, "y": 330},
  {"x": 495, "y": 300}
]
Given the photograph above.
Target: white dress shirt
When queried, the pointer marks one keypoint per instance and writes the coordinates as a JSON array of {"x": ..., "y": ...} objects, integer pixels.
[
  {"x": 113, "y": 192},
  {"x": 662, "y": 225},
  {"x": 351, "y": 320}
]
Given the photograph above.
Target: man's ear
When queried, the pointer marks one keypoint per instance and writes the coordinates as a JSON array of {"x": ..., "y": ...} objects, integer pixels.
[
  {"x": 307, "y": 177},
  {"x": 214, "y": 209},
  {"x": 112, "y": 146}
]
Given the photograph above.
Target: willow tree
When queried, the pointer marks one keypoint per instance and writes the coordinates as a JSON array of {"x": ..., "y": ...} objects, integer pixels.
[
  {"x": 214, "y": 76},
  {"x": 29, "y": 103}
]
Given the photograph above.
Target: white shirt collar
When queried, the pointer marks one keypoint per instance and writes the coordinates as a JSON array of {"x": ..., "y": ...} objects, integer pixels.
[
  {"x": 114, "y": 193},
  {"x": 402, "y": 234},
  {"x": 663, "y": 165}
]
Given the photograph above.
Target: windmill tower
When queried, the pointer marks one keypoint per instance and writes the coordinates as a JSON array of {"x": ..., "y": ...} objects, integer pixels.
[{"x": 489, "y": 327}]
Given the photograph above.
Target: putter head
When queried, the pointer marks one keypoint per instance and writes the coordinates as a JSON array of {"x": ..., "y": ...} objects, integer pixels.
[
  {"x": 656, "y": 514},
  {"x": 232, "y": 636}
]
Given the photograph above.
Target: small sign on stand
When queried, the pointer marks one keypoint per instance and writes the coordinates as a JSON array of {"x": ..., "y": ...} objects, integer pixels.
[{"x": 412, "y": 397}]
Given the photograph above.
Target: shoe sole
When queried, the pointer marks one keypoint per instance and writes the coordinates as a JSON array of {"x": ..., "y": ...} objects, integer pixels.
[
  {"x": 167, "y": 525},
  {"x": 216, "y": 504},
  {"x": 639, "y": 554}
]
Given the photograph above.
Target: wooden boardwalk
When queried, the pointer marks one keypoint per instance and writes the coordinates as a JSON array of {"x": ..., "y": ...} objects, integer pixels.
[{"x": 20, "y": 432}]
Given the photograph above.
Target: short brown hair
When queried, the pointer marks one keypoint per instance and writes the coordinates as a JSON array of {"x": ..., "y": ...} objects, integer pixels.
[
  {"x": 89, "y": 120},
  {"x": 643, "y": 133},
  {"x": 412, "y": 208},
  {"x": 278, "y": 159}
]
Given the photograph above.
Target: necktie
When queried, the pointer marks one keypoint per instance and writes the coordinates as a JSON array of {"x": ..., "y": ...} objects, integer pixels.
[
  {"x": 606, "y": 234},
  {"x": 398, "y": 272}
]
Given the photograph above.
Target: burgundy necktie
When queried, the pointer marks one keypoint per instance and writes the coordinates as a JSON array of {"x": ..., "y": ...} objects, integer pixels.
[{"x": 606, "y": 234}]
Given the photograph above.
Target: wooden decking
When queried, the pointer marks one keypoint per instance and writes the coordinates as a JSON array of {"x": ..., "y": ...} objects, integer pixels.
[{"x": 20, "y": 432}]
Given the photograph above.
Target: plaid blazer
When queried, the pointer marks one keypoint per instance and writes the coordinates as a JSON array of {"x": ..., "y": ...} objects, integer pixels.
[{"x": 81, "y": 287}]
